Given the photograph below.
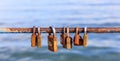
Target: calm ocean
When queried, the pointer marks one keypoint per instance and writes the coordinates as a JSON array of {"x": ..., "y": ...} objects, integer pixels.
[{"x": 59, "y": 13}]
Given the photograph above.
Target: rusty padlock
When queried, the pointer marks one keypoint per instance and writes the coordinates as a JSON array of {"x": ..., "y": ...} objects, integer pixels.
[
  {"x": 85, "y": 37},
  {"x": 52, "y": 41},
  {"x": 77, "y": 38},
  {"x": 39, "y": 38},
  {"x": 68, "y": 40},
  {"x": 33, "y": 37},
  {"x": 62, "y": 37}
]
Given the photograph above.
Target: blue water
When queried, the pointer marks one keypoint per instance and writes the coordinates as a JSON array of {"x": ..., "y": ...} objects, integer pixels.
[{"x": 59, "y": 13}]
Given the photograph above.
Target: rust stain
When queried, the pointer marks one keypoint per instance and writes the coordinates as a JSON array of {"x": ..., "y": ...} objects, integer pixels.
[{"x": 19, "y": 29}]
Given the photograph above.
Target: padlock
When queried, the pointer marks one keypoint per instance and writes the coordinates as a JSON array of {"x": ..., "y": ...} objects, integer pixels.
[
  {"x": 39, "y": 39},
  {"x": 81, "y": 41},
  {"x": 77, "y": 38},
  {"x": 62, "y": 37},
  {"x": 33, "y": 37},
  {"x": 50, "y": 37},
  {"x": 85, "y": 37},
  {"x": 52, "y": 41},
  {"x": 68, "y": 40}
]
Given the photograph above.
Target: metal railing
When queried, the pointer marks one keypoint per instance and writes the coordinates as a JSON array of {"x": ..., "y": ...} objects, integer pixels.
[{"x": 59, "y": 30}]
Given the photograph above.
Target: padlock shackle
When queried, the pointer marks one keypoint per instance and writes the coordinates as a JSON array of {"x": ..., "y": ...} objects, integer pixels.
[
  {"x": 34, "y": 29},
  {"x": 39, "y": 32},
  {"x": 64, "y": 30},
  {"x": 53, "y": 30},
  {"x": 68, "y": 34},
  {"x": 77, "y": 30},
  {"x": 85, "y": 30}
]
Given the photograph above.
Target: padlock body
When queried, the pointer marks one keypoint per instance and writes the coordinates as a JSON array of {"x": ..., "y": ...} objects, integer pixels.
[
  {"x": 85, "y": 40},
  {"x": 39, "y": 41},
  {"x": 33, "y": 40},
  {"x": 52, "y": 43},
  {"x": 81, "y": 41},
  {"x": 62, "y": 38},
  {"x": 68, "y": 42},
  {"x": 77, "y": 40}
]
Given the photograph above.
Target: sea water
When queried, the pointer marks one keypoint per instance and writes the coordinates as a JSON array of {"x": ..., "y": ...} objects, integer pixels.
[{"x": 59, "y": 13}]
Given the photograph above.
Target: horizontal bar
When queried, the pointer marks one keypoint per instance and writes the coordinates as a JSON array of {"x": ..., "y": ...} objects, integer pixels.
[{"x": 59, "y": 30}]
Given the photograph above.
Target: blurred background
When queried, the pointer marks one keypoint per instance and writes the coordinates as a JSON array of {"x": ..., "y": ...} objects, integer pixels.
[{"x": 59, "y": 13}]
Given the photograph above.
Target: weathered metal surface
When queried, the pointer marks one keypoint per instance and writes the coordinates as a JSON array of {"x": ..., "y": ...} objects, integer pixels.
[{"x": 59, "y": 30}]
